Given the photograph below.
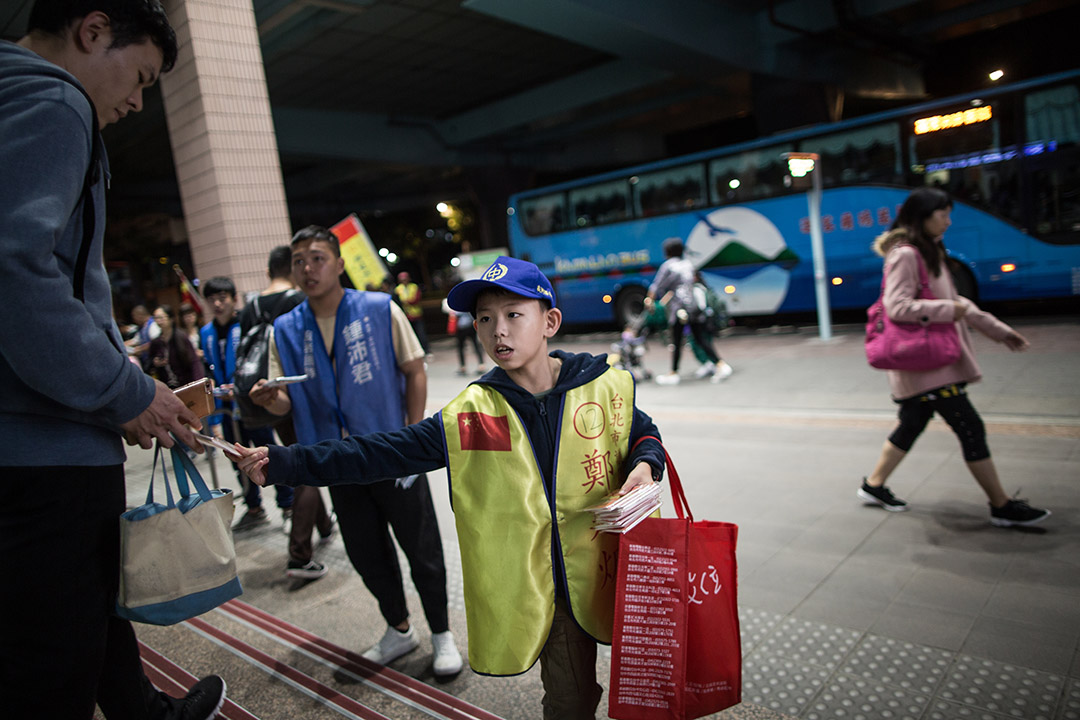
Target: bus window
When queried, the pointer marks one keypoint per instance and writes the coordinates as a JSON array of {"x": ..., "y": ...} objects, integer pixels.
[
  {"x": 668, "y": 191},
  {"x": 750, "y": 175},
  {"x": 600, "y": 204},
  {"x": 1052, "y": 123},
  {"x": 543, "y": 214},
  {"x": 860, "y": 156},
  {"x": 971, "y": 151}
]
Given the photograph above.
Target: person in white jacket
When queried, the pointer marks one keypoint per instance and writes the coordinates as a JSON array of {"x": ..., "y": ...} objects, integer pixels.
[{"x": 917, "y": 233}]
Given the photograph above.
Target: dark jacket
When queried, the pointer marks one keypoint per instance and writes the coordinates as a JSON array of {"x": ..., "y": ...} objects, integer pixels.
[{"x": 422, "y": 447}]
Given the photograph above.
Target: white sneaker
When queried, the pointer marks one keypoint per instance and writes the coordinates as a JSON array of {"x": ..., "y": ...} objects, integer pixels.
[
  {"x": 705, "y": 370},
  {"x": 447, "y": 658},
  {"x": 393, "y": 645},
  {"x": 723, "y": 372},
  {"x": 668, "y": 379}
]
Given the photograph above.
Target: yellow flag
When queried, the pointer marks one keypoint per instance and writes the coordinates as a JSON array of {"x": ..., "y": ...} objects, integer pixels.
[{"x": 362, "y": 263}]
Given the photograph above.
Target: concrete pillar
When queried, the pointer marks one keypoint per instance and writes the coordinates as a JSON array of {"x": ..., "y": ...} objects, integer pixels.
[{"x": 223, "y": 143}]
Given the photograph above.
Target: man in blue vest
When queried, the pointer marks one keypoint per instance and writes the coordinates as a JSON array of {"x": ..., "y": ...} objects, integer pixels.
[
  {"x": 219, "y": 339},
  {"x": 365, "y": 370}
]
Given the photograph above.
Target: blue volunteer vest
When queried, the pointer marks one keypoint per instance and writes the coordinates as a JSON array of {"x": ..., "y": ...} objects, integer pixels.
[
  {"x": 222, "y": 368},
  {"x": 366, "y": 394}
]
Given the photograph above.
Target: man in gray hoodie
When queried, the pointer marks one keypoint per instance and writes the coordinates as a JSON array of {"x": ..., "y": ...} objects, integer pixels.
[{"x": 68, "y": 393}]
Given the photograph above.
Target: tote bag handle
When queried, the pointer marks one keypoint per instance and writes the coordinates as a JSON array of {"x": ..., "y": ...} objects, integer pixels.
[
  {"x": 184, "y": 468},
  {"x": 165, "y": 472},
  {"x": 678, "y": 497}
]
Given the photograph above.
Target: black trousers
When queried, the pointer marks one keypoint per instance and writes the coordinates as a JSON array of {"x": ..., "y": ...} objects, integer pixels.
[
  {"x": 701, "y": 337},
  {"x": 365, "y": 514},
  {"x": 61, "y": 647}
]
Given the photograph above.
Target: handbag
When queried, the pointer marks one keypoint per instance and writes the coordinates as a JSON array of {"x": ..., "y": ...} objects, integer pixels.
[
  {"x": 676, "y": 652},
  {"x": 177, "y": 560},
  {"x": 920, "y": 346}
]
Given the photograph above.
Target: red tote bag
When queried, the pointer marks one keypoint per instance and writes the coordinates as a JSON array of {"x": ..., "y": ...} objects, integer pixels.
[{"x": 676, "y": 652}]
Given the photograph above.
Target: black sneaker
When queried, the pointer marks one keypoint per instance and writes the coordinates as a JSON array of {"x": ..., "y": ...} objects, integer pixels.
[
  {"x": 310, "y": 570},
  {"x": 882, "y": 496},
  {"x": 252, "y": 518},
  {"x": 202, "y": 702},
  {"x": 1016, "y": 512}
]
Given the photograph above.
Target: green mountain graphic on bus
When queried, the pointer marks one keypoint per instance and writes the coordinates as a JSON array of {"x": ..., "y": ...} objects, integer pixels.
[{"x": 735, "y": 256}]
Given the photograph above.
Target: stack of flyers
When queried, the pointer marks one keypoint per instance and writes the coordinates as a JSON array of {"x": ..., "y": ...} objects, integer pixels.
[{"x": 619, "y": 513}]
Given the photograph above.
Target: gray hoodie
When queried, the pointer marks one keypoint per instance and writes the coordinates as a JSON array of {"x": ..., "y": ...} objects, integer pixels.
[{"x": 66, "y": 384}]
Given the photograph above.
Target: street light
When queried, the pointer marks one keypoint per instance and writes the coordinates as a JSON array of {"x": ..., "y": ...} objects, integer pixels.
[{"x": 799, "y": 166}]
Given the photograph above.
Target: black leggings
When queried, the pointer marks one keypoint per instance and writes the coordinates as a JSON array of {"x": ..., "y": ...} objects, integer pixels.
[
  {"x": 951, "y": 402},
  {"x": 701, "y": 337}
]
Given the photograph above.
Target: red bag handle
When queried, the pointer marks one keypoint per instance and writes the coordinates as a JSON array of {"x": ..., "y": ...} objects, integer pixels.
[{"x": 678, "y": 497}]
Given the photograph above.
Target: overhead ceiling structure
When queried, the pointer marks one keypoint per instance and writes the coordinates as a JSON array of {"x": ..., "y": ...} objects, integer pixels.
[{"x": 383, "y": 104}]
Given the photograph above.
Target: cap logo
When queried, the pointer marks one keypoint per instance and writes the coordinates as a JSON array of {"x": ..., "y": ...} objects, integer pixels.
[
  {"x": 495, "y": 272},
  {"x": 542, "y": 291}
]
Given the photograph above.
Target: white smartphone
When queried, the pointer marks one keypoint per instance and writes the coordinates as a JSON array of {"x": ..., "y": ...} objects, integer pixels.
[
  {"x": 211, "y": 441},
  {"x": 285, "y": 380}
]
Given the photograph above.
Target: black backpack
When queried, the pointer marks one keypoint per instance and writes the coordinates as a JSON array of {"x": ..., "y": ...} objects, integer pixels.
[{"x": 252, "y": 365}]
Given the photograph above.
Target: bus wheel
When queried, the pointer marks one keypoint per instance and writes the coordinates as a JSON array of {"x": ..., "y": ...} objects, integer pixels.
[
  {"x": 963, "y": 280},
  {"x": 629, "y": 304}
]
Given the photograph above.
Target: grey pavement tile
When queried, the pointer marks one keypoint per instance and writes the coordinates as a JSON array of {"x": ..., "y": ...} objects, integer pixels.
[
  {"x": 793, "y": 570},
  {"x": 944, "y": 710},
  {"x": 755, "y": 625},
  {"x": 767, "y": 599},
  {"x": 1036, "y": 604},
  {"x": 850, "y": 696},
  {"x": 1074, "y": 667},
  {"x": 839, "y": 533},
  {"x": 916, "y": 668},
  {"x": 971, "y": 564},
  {"x": 779, "y": 683},
  {"x": 946, "y": 591},
  {"x": 1002, "y": 688},
  {"x": 871, "y": 578},
  {"x": 1069, "y": 705},
  {"x": 923, "y": 626},
  {"x": 846, "y": 609},
  {"x": 1018, "y": 643},
  {"x": 810, "y": 642}
]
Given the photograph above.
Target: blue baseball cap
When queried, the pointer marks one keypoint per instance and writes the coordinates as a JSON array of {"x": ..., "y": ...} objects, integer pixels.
[{"x": 520, "y": 277}]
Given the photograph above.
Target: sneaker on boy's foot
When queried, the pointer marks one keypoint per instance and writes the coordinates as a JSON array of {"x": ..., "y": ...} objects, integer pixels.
[
  {"x": 202, "y": 702},
  {"x": 310, "y": 570},
  {"x": 447, "y": 659},
  {"x": 393, "y": 645},
  {"x": 252, "y": 518},
  {"x": 705, "y": 370},
  {"x": 668, "y": 379},
  {"x": 723, "y": 372},
  {"x": 328, "y": 537},
  {"x": 882, "y": 496},
  {"x": 1016, "y": 512}
]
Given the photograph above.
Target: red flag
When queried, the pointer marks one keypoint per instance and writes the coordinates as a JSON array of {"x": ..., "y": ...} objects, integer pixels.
[
  {"x": 484, "y": 432},
  {"x": 188, "y": 293}
]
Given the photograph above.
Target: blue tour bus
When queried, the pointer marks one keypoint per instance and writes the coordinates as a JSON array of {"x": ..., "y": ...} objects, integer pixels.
[{"x": 1010, "y": 157}]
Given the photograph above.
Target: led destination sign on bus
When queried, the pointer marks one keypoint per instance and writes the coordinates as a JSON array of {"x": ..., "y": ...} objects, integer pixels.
[{"x": 952, "y": 120}]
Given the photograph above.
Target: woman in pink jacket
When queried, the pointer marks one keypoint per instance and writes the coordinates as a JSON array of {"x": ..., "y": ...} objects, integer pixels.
[{"x": 922, "y": 221}]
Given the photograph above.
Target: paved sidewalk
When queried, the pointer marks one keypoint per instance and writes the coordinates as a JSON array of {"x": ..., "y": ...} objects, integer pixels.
[{"x": 847, "y": 611}]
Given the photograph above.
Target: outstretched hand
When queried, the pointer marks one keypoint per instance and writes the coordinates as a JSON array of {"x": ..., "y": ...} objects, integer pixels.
[
  {"x": 252, "y": 462},
  {"x": 1016, "y": 342},
  {"x": 640, "y": 475}
]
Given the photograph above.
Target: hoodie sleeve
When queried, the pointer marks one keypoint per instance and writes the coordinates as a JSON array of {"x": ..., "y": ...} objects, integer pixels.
[
  {"x": 44, "y": 156},
  {"x": 650, "y": 451},
  {"x": 360, "y": 459}
]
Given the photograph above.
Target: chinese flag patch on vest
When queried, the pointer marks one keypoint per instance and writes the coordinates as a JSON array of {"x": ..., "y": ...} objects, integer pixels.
[{"x": 484, "y": 432}]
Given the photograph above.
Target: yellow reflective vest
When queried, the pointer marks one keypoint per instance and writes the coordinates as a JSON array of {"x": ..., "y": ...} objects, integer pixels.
[{"x": 510, "y": 532}]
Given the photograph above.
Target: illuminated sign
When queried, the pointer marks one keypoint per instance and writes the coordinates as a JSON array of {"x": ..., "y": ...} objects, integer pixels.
[{"x": 956, "y": 119}]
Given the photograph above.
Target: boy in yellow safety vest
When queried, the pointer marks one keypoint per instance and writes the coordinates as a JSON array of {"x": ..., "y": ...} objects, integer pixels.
[{"x": 528, "y": 447}]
